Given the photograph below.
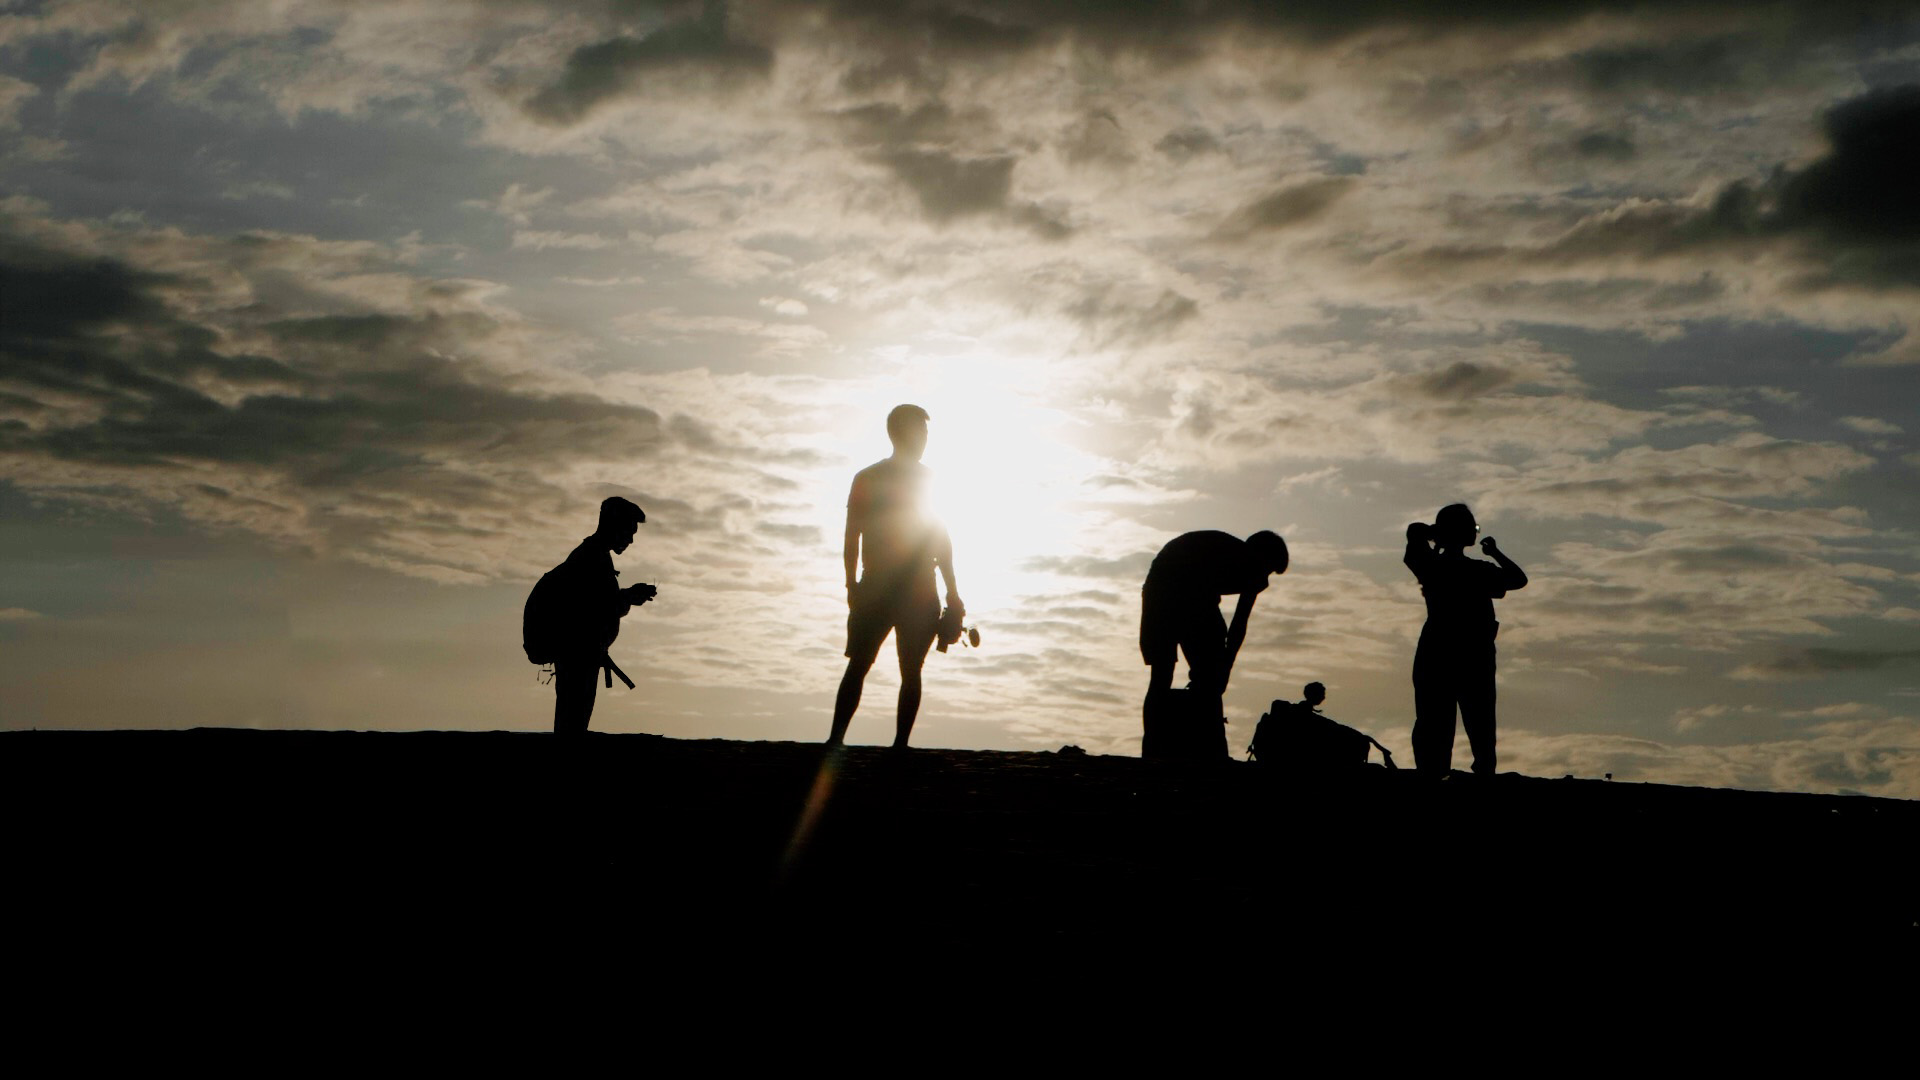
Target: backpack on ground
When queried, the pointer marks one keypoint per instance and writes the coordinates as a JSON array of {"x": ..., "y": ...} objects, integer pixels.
[
  {"x": 1293, "y": 736},
  {"x": 1184, "y": 725}
]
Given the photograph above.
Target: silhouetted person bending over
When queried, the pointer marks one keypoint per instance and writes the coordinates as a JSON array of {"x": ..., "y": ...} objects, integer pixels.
[
  {"x": 893, "y": 537},
  {"x": 1180, "y": 605},
  {"x": 1454, "y": 664},
  {"x": 587, "y": 608}
]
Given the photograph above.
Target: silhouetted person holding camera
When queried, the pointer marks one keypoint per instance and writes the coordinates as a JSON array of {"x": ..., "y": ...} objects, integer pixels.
[
  {"x": 1454, "y": 663},
  {"x": 1180, "y": 609},
  {"x": 578, "y": 606},
  {"x": 893, "y": 546}
]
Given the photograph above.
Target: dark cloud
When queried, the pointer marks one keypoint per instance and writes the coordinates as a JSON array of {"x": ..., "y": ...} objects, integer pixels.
[
  {"x": 1864, "y": 769},
  {"x": 1853, "y": 208},
  {"x": 1864, "y": 189},
  {"x": 699, "y": 48},
  {"x": 950, "y": 187},
  {"x": 364, "y": 427},
  {"x": 1096, "y": 138},
  {"x": 1807, "y": 663},
  {"x": 1113, "y": 319},
  {"x": 971, "y": 35},
  {"x": 890, "y": 125},
  {"x": 1851, "y": 214},
  {"x": 1732, "y": 558},
  {"x": 919, "y": 146},
  {"x": 54, "y": 295},
  {"x": 1612, "y": 146},
  {"x": 1683, "y": 67},
  {"x": 1463, "y": 379},
  {"x": 1294, "y": 204},
  {"x": 1174, "y": 31},
  {"x": 1188, "y": 142},
  {"x": 1573, "y": 296}
]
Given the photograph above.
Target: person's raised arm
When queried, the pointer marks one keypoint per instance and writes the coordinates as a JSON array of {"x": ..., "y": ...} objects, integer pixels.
[
  {"x": 1419, "y": 554},
  {"x": 1515, "y": 578}
]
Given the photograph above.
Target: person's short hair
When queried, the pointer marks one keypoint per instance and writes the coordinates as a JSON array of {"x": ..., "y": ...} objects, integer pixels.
[
  {"x": 1270, "y": 549},
  {"x": 901, "y": 416},
  {"x": 1453, "y": 515},
  {"x": 616, "y": 511},
  {"x": 1313, "y": 692}
]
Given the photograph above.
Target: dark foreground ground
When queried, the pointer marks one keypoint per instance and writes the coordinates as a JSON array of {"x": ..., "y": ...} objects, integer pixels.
[{"x": 218, "y": 847}]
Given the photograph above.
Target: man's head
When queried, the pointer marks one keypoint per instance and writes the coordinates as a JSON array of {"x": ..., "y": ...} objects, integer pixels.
[
  {"x": 619, "y": 520},
  {"x": 1454, "y": 527},
  {"x": 1269, "y": 551},
  {"x": 1314, "y": 693},
  {"x": 907, "y": 427}
]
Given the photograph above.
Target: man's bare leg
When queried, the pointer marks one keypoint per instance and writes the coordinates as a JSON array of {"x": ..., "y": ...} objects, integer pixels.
[
  {"x": 912, "y": 651},
  {"x": 909, "y": 705},
  {"x": 848, "y": 700}
]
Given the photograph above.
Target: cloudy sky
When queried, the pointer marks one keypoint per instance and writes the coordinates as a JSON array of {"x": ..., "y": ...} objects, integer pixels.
[{"x": 324, "y": 327}]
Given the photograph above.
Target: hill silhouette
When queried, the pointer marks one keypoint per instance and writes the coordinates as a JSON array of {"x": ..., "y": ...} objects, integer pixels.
[{"x": 226, "y": 837}]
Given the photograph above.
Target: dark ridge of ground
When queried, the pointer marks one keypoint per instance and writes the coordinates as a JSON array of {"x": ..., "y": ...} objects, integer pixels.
[{"x": 219, "y": 842}]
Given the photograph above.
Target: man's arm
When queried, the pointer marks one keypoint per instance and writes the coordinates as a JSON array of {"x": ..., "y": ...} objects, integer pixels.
[
  {"x": 1514, "y": 577},
  {"x": 943, "y": 555},
  {"x": 850, "y": 546},
  {"x": 1237, "y": 631}
]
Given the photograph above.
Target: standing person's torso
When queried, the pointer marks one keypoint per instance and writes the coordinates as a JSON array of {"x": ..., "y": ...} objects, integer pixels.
[
  {"x": 1206, "y": 563},
  {"x": 1460, "y": 592},
  {"x": 592, "y": 596},
  {"x": 897, "y": 529}
]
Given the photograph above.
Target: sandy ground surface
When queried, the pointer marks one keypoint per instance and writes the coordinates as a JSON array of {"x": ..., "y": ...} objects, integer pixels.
[
  {"x": 263, "y": 897},
  {"x": 236, "y": 831}
]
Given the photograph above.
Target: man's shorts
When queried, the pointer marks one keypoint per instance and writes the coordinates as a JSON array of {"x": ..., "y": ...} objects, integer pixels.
[
  {"x": 915, "y": 620},
  {"x": 1176, "y": 622}
]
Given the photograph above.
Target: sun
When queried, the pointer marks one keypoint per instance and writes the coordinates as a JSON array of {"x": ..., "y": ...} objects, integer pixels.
[{"x": 1005, "y": 481}]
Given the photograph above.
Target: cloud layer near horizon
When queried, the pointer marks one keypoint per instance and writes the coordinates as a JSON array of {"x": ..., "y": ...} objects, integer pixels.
[{"x": 413, "y": 286}]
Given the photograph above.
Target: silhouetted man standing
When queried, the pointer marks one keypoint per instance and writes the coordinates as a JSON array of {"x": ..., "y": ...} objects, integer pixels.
[
  {"x": 894, "y": 538},
  {"x": 588, "y": 606},
  {"x": 1180, "y": 607},
  {"x": 1454, "y": 663}
]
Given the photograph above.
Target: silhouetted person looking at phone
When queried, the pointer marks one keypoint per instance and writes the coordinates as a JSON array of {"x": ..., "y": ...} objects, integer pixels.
[
  {"x": 581, "y": 604},
  {"x": 1453, "y": 667},
  {"x": 1180, "y": 605},
  {"x": 893, "y": 546}
]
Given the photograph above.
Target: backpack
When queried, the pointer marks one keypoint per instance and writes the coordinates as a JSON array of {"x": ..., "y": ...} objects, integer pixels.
[
  {"x": 550, "y": 622},
  {"x": 541, "y": 621},
  {"x": 1184, "y": 725},
  {"x": 1293, "y": 736}
]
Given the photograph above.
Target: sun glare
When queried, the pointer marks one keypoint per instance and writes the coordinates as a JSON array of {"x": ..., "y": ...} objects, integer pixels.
[{"x": 1003, "y": 480}]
